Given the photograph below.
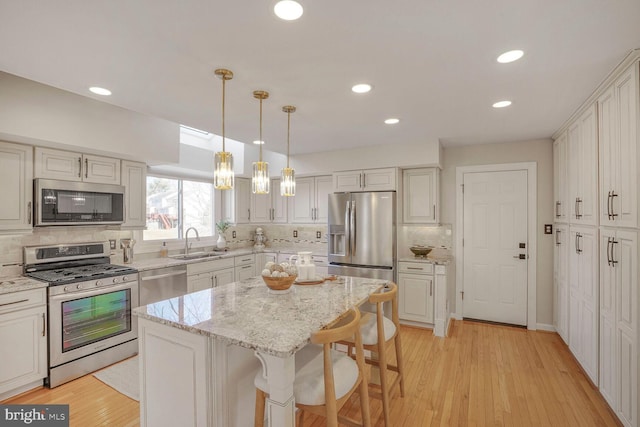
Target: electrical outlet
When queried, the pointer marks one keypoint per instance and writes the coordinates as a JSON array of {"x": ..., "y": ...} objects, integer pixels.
[
  {"x": 548, "y": 229},
  {"x": 295, "y": 233},
  {"x": 233, "y": 234},
  {"x": 318, "y": 234},
  {"x": 112, "y": 244}
]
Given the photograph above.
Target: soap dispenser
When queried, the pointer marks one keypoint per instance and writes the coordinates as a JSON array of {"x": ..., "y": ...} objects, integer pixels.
[{"x": 164, "y": 252}]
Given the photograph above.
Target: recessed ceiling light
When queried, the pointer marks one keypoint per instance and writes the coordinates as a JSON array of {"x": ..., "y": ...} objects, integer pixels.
[
  {"x": 100, "y": 91},
  {"x": 501, "y": 104},
  {"x": 288, "y": 10},
  {"x": 512, "y": 55},
  {"x": 258, "y": 142},
  {"x": 361, "y": 88},
  {"x": 392, "y": 121}
]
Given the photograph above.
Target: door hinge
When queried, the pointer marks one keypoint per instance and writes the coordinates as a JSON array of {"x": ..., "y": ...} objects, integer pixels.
[
  {"x": 462, "y": 292},
  {"x": 462, "y": 185},
  {"x": 463, "y": 243}
]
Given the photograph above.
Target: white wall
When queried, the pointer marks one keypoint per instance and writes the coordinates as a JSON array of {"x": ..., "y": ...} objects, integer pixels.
[
  {"x": 38, "y": 114},
  {"x": 379, "y": 156},
  {"x": 541, "y": 152}
]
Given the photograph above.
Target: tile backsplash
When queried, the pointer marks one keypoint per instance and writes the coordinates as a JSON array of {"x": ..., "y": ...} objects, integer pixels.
[
  {"x": 280, "y": 235},
  {"x": 436, "y": 236}
]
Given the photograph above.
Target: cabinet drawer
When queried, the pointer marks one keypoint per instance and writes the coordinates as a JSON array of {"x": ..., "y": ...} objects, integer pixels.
[
  {"x": 320, "y": 261},
  {"x": 415, "y": 267},
  {"x": 245, "y": 259},
  {"x": 203, "y": 267},
  {"x": 19, "y": 300}
]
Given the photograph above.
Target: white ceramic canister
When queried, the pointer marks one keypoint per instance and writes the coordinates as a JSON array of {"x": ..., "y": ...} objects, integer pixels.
[{"x": 305, "y": 266}]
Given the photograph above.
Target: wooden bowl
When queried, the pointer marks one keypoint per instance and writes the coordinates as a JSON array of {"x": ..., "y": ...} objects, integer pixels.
[
  {"x": 279, "y": 283},
  {"x": 421, "y": 251}
]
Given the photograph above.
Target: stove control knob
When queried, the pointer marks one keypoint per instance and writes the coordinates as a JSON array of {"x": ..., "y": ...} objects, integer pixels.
[
  {"x": 116, "y": 280},
  {"x": 67, "y": 289},
  {"x": 79, "y": 287},
  {"x": 99, "y": 283},
  {"x": 124, "y": 278}
]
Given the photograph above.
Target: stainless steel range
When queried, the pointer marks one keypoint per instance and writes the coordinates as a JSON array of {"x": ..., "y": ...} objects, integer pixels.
[{"x": 89, "y": 302}]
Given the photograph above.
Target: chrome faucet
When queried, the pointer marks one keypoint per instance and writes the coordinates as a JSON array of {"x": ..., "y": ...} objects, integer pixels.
[{"x": 186, "y": 239}]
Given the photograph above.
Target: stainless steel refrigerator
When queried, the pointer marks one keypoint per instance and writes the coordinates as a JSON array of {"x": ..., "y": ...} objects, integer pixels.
[{"x": 362, "y": 234}]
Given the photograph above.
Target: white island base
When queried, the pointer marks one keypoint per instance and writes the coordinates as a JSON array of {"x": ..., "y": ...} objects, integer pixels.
[{"x": 188, "y": 379}]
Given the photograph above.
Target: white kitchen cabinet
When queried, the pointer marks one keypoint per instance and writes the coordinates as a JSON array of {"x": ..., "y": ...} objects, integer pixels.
[
  {"x": 421, "y": 196},
  {"x": 416, "y": 291},
  {"x": 618, "y": 141},
  {"x": 70, "y": 166},
  {"x": 245, "y": 266},
  {"x": 270, "y": 207},
  {"x": 561, "y": 281},
  {"x": 583, "y": 298},
  {"x": 560, "y": 184},
  {"x": 236, "y": 203},
  {"x": 583, "y": 168},
  {"x": 365, "y": 180},
  {"x": 209, "y": 274},
  {"x": 23, "y": 332},
  {"x": 16, "y": 184},
  {"x": 619, "y": 322},
  {"x": 311, "y": 203},
  {"x": 134, "y": 180}
]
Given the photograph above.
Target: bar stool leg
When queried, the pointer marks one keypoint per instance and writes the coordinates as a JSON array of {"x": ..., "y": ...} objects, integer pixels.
[
  {"x": 399, "y": 361},
  {"x": 260, "y": 403},
  {"x": 384, "y": 385}
]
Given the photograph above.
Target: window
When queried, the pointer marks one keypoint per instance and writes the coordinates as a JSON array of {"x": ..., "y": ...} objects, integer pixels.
[{"x": 174, "y": 205}]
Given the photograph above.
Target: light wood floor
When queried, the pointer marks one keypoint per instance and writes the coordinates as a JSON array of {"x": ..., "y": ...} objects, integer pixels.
[{"x": 481, "y": 375}]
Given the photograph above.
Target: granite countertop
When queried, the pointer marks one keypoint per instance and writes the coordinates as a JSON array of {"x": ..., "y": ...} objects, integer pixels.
[
  {"x": 11, "y": 284},
  {"x": 153, "y": 263},
  {"x": 248, "y": 314}
]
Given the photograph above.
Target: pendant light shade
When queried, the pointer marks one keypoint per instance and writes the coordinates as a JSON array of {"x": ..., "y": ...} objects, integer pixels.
[
  {"x": 260, "y": 176},
  {"x": 288, "y": 183},
  {"x": 223, "y": 160}
]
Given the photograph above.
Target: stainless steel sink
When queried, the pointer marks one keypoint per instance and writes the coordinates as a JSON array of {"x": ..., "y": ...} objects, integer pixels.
[{"x": 197, "y": 255}]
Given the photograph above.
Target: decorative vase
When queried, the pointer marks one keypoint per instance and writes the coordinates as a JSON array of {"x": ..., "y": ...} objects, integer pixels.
[{"x": 222, "y": 242}]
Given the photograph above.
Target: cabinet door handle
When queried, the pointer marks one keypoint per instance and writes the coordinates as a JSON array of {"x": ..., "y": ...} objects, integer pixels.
[
  {"x": 29, "y": 213},
  {"x": 578, "y": 237},
  {"x": 609, "y": 205},
  {"x": 216, "y": 281},
  {"x": 434, "y": 212},
  {"x": 613, "y": 242},
  {"x": 558, "y": 209},
  {"x": 613, "y": 215},
  {"x": 431, "y": 288},
  {"x": 558, "y": 237},
  {"x": 249, "y": 214},
  {"x": 414, "y": 268},
  {"x": 44, "y": 325},
  {"x": 79, "y": 167},
  {"x": 364, "y": 180},
  {"x": 578, "y": 201},
  {"x": 86, "y": 168},
  {"x": 609, "y": 251}
]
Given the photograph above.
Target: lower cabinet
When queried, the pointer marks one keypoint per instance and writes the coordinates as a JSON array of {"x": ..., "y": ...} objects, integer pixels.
[
  {"x": 209, "y": 274},
  {"x": 619, "y": 322},
  {"x": 23, "y": 334},
  {"x": 561, "y": 280},
  {"x": 245, "y": 267},
  {"x": 416, "y": 291}
]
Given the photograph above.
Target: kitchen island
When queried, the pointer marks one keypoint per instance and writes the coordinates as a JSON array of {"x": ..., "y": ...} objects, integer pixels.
[{"x": 200, "y": 352}]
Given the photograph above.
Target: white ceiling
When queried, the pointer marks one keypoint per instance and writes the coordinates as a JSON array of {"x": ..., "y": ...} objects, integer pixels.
[{"x": 432, "y": 63}]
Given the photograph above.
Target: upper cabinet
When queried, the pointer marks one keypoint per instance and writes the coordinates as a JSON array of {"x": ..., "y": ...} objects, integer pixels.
[
  {"x": 311, "y": 202},
  {"x": 16, "y": 182},
  {"x": 270, "y": 207},
  {"x": 583, "y": 168},
  {"x": 618, "y": 133},
  {"x": 560, "y": 178},
  {"x": 365, "y": 180},
  {"x": 134, "y": 180},
  {"x": 420, "y": 196},
  {"x": 236, "y": 206},
  {"x": 70, "y": 166}
]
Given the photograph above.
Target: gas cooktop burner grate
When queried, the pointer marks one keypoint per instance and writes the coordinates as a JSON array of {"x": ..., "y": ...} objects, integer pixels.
[{"x": 77, "y": 274}]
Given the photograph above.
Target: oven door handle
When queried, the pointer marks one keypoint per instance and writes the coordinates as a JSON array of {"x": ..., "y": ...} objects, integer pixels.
[
  {"x": 133, "y": 285},
  {"x": 162, "y": 276}
]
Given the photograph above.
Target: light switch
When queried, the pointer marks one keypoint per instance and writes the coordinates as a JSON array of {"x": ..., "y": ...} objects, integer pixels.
[{"x": 548, "y": 229}]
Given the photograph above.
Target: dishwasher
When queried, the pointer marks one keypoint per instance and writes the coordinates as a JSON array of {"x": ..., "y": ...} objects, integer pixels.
[{"x": 162, "y": 283}]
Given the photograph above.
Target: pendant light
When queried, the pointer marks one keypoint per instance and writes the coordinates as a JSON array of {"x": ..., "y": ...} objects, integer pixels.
[
  {"x": 260, "y": 177},
  {"x": 288, "y": 183},
  {"x": 223, "y": 161}
]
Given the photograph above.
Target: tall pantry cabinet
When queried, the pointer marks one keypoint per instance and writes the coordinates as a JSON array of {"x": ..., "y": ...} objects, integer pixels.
[{"x": 601, "y": 248}]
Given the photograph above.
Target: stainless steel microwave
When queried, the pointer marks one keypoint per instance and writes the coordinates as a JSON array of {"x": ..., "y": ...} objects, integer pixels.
[{"x": 60, "y": 202}]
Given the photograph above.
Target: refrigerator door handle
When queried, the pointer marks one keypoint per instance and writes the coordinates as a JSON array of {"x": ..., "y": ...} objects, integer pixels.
[
  {"x": 353, "y": 228},
  {"x": 347, "y": 226}
]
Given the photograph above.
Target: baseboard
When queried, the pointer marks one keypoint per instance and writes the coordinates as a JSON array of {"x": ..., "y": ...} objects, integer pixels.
[{"x": 545, "y": 327}]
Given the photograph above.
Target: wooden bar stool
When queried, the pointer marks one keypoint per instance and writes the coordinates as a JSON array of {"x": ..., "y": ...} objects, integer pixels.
[
  {"x": 325, "y": 378},
  {"x": 377, "y": 332}
]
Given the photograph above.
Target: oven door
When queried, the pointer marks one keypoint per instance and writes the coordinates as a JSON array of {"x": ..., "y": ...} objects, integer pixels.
[{"x": 85, "y": 322}]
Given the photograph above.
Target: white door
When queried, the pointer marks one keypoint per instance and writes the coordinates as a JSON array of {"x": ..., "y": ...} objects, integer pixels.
[{"x": 495, "y": 246}]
